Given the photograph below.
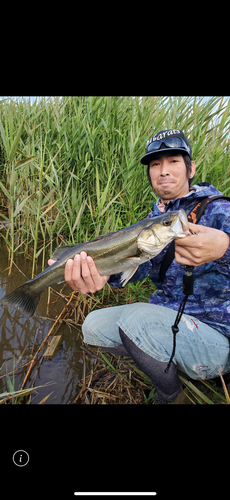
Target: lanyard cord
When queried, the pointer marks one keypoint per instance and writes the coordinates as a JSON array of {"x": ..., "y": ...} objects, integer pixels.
[{"x": 188, "y": 280}]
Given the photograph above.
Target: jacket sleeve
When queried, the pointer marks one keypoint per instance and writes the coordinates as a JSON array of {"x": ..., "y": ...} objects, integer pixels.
[
  {"x": 217, "y": 216},
  {"x": 223, "y": 265}
]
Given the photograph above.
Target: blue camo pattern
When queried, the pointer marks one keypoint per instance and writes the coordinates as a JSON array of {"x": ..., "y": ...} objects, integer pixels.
[{"x": 210, "y": 302}]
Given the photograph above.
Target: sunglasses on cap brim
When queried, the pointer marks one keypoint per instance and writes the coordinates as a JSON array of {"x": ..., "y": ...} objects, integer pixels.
[{"x": 172, "y": 142}]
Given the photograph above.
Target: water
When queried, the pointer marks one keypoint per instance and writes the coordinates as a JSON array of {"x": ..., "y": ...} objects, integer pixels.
[{"x": 20, "y": 336}]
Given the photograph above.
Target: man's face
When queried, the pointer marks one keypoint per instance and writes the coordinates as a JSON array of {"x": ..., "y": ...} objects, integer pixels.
[{"x": 168, "y": 175}]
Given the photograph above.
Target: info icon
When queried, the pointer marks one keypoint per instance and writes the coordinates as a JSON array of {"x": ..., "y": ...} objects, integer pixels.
[{"x": 21, "y": 458}]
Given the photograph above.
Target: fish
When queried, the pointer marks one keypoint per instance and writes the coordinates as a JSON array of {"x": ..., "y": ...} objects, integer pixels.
[{"x": 121, "y": 251}]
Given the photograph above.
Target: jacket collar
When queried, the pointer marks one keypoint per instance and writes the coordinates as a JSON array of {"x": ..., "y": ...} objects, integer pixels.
[{"x": 197, "y": 191}]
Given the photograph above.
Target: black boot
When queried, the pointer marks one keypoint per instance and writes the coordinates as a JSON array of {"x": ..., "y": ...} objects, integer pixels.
[
  {"x": 118, "y": 350},
  {"x": 167, "y": 385}
]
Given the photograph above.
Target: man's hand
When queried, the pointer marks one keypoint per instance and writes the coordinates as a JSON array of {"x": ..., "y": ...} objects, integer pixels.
[
  {"x": 206, "y": 245},
  {"x": 82, "y": 275}
]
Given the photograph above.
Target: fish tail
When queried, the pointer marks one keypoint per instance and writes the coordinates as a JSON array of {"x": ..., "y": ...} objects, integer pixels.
[{"x": 24, "y": 298}]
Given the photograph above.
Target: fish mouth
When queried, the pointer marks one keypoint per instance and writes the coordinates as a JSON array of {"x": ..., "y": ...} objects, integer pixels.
[{"x": 181, "y": 225}]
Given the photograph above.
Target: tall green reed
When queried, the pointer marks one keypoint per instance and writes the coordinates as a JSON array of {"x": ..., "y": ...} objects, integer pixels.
[{"x": 70, "y": 166}]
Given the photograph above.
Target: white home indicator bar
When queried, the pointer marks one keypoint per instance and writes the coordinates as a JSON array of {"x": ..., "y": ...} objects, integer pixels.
[{"x": 117, "y": 493}]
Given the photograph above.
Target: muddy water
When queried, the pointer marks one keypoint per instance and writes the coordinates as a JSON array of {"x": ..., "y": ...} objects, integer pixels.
[{"x": 20, "y": 336}]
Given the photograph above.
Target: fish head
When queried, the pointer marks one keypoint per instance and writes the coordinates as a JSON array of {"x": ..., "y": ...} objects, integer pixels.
[{"x": 162, "y": 231}]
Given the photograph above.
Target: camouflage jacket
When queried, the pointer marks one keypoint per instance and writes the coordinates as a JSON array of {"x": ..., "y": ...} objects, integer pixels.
[{"x": 210, "y": 301}]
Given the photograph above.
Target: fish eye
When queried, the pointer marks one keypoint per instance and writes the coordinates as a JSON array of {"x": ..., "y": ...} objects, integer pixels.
[{"x": 167, "y": 222}]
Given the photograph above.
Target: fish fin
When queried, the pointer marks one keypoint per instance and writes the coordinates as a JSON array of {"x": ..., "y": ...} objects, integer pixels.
[
  {"x": 23, "y": 298},
  {"x": 134, "y": 260},
  {"x": 127, "y": 275},
  {"x": 59, "y": 251}
]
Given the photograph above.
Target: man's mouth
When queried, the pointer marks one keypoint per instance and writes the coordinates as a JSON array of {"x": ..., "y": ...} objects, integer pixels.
[{"x": 163, "y": 183}]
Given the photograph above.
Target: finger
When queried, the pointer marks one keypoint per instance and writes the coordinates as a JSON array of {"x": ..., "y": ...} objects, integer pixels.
[
  {"x": 97, "y": 278},
  {"x": 93, "y": 268},
  {"x": 194, "y": 228},
  {"x": 188, "y": 241},
  {"x": 186, "y": 252},
  {"x": 51, "y": 261},
  {"x": 86, "y": 271},
  {"x": 73, "y": 269},
  {"x": 68, "y": 271},
  {"x": 180, "y": 259},
  {"x": 81, "y": 274},
  {"x": 73, "y": 274},
  {"x": 186, "y": 257}
]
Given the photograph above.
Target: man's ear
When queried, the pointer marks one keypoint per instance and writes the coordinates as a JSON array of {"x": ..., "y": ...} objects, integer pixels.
[{"x": 193, "y": 169}]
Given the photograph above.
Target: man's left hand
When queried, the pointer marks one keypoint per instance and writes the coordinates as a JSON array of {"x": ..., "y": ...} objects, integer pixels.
[{"x": 207, "y": 244}]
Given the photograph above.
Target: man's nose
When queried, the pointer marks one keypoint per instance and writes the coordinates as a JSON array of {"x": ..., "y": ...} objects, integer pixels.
[{"x": 164, "y": 168}]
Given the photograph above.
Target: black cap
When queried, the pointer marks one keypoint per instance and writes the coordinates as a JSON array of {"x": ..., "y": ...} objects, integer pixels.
[{"x": 165, "y": 140}]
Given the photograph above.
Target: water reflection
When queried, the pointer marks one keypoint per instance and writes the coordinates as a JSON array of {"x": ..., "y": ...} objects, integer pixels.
[{"x": 20, "y": 338}]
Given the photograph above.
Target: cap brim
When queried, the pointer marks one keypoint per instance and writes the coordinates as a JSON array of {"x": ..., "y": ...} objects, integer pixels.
[{"x": 149, "y": 156}]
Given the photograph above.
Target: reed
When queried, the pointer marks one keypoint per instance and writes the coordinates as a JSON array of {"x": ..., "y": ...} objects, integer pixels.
[
  {"x": 70, "y": 170},
  {"x": 70, "y": 167}
]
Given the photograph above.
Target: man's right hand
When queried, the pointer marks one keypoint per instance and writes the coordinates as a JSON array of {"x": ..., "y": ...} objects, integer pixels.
[{"x": 82, "y": 275}]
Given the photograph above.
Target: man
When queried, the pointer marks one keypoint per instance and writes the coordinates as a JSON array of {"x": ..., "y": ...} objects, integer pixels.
[{"x": 143, "y": 330}]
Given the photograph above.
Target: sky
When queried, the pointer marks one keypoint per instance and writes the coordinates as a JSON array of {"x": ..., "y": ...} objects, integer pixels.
[{"x": 32, "y": 98}]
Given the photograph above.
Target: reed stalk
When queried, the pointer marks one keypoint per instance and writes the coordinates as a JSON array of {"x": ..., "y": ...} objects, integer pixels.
[
  {"x": 70, "y": 166},
  {"x": 70, "y": 169}
]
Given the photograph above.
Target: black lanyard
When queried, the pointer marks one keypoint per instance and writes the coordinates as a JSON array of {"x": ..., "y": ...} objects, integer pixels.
[{"x": 188, "y": 280}]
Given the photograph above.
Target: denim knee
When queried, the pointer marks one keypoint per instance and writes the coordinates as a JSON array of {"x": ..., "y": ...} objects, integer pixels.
[
  {"x": 89, "y": 330},
  {"x": 100, "y": 327}
]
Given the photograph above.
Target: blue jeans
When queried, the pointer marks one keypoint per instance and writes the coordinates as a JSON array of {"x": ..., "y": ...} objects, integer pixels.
[{"x": 200, "y": 350}]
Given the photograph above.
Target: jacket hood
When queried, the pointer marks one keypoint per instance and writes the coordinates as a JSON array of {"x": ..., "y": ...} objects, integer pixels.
[{"x": 203, "y": 189}]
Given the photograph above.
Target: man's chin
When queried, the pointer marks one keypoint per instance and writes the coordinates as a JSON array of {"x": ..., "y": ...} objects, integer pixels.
[{"x": 166, "y": 194}]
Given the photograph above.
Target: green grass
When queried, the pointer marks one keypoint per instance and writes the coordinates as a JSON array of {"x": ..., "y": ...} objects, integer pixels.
[
  {"x": 13, "y": 396},
  {"x": 70, "y": 168}
]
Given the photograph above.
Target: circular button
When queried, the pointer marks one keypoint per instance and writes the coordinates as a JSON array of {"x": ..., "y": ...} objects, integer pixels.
[{"x": 21, "y": 458}]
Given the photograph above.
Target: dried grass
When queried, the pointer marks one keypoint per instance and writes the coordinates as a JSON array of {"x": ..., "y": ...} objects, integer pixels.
[{"x": 115, "y": 381}]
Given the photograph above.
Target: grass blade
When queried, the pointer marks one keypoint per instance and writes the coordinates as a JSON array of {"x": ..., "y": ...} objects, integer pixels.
[
  {"x": 225, "y": 388},
  {"x": 195, "y": 390},
  {"x": 113, "y": 368},
  {"x": 4, "y": 138},
  {"x": 14, "y": 146}
]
